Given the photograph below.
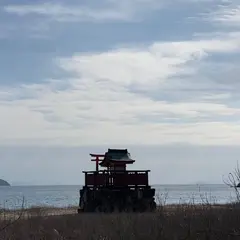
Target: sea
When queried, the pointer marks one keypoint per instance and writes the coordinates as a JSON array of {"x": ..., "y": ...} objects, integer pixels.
[{"x": 16, "y": 197}]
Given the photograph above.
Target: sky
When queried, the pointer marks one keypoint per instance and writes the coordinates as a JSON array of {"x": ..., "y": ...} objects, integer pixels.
[{"x": 159, "y": 78}]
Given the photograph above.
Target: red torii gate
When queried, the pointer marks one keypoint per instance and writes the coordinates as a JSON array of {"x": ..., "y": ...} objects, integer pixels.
[{"x": 97, "y": 159}]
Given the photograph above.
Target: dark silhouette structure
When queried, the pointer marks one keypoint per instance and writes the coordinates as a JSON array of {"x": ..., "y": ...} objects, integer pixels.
[{"x": 115, "y": 188}]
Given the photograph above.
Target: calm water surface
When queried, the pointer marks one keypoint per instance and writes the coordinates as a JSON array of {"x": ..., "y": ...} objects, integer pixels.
[{"x": 62, "y": 196}]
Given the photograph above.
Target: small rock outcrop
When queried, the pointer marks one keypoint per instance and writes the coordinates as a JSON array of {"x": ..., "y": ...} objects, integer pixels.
[{"x": 4, "y": 183}]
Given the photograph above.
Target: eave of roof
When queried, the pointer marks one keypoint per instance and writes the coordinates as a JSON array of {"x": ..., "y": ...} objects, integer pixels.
[{"x": 116, "y": 162}]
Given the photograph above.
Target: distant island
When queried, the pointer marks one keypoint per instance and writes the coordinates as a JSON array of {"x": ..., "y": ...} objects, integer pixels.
[{"x": 4, "y": 183}]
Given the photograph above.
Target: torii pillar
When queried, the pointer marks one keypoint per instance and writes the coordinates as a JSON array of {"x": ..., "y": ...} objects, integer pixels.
[{"x": 97, "y": 159}]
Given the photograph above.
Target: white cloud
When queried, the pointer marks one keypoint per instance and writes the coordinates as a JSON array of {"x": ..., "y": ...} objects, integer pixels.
[
  {"x": 228, "y": 15},
  {"x": 45, "y": 16},
  {"x": 221, "y": 96},
  {"x": 98, "y": 105},
  {"x": 149, "y": 66},
  {"x": 125, "y": 10},
  {"x": 108, "y": 10}
]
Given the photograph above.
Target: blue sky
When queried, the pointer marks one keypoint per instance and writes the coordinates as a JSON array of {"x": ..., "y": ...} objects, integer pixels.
[{"x": 119, "y": 73}]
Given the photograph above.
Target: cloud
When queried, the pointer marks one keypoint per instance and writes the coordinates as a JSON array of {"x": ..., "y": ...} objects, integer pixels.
[
  {"x": 125, "y": 10},
  {"x": 43, "y": 20},
  {"x": 32, "y": 29},
  {"x": 227, "y": 15},
  {"x": 148, "y": 66},
  {"x": 107, "y": 98},
  {"x": 221, "y": 96},
  {"x": 108, "y": 10}
]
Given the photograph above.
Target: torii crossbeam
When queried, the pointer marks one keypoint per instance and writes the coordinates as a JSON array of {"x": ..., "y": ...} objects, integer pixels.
[{"x": 97, "y": 159}]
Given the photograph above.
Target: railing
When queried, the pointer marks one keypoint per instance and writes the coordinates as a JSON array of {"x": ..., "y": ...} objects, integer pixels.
[{"x": 116, "y": 178}]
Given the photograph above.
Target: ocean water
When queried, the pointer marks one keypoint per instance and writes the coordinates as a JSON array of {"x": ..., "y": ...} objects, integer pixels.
[{"x": 63, "y": 196}]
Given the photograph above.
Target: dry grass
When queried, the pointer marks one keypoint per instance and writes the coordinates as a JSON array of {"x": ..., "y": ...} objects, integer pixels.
[
  {"x": 35, "y": 211},
  {"x": 173, "y": 222}
]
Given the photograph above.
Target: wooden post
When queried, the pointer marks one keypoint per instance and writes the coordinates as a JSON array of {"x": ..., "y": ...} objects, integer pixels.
[{"x": 97, "y": 159}]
